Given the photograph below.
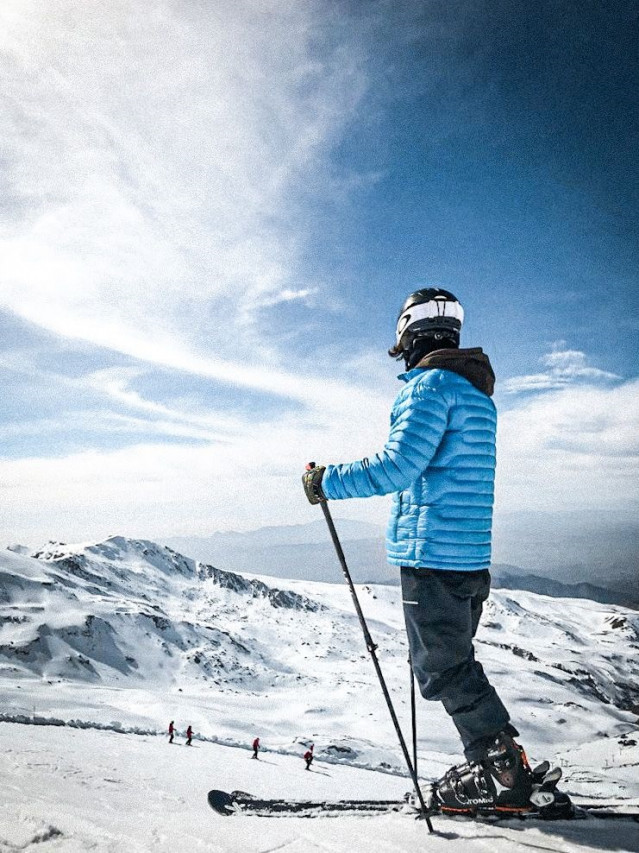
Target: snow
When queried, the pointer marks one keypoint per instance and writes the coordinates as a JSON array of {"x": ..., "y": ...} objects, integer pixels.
[
  {"x": 75, "y": 790},
  {"x": 101, "y": 644}
]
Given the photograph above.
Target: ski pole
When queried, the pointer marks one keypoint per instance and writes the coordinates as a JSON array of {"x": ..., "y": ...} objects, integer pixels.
[
  {"x": 371, "y": 647},
  {"x": 413, "y": 710}
]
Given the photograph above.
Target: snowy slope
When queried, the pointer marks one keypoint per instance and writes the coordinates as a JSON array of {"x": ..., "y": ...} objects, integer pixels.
[
  {"x": 72, "y": 790},
  {"x": 127, "y": 635}
]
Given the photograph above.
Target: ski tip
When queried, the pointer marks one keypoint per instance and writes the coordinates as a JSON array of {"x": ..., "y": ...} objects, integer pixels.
[{"x": 221, "y": 802}]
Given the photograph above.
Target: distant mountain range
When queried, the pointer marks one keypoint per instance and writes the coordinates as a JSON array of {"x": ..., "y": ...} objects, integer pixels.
[
  {"x": 301, "y": 551},
  {"x": 512, "y": 577},
  {"x": 305, "y": 552},
  {"x": 598, "y": 546}
]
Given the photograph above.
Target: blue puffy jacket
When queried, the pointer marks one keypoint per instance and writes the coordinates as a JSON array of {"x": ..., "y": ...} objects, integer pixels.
[{"x": 439, "y": 461}]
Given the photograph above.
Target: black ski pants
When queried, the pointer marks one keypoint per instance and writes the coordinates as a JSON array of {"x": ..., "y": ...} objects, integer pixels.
[{"x": 442, "y": 610}]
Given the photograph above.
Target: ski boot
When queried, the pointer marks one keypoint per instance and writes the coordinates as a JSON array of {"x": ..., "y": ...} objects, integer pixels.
[{"x": 501, "y": 782}]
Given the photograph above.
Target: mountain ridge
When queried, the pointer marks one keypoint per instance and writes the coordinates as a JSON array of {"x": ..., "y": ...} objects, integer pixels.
[{"x": 182, "y": 636}]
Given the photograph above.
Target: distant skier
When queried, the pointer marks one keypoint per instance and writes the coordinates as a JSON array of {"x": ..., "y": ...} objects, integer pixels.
[
  {"x": 256, "y": 747},
  {"x": 189, "y": 736},
  {"x": 308, "y": 756},
  {"x": 171, "y": 731},
  {"x": 439, "y": 461}
]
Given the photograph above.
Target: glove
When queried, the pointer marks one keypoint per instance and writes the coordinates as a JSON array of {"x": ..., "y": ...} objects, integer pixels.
[{"x": 312, "y": 482}]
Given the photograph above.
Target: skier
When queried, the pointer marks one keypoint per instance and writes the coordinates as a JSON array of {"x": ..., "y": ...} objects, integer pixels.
[
  {"x": 308, "y": 756},
  {"x": 439, "y": 461},
  {"x": 189, "y": 736},
  {"x": 256, "y": 747},
  {"x": 171, "y": 731}
]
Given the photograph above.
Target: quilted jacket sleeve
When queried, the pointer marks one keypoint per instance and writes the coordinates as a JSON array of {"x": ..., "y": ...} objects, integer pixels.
[{"x": 417, "y": 426}]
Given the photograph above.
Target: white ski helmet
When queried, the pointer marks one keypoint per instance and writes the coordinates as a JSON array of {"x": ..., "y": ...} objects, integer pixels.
[{"x": 428, "y": 313}]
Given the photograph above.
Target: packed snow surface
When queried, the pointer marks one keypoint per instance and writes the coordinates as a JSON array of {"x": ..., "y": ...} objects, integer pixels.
[
  {"x": 102, "y": 644},
  {"x": 76, "y": 790}
]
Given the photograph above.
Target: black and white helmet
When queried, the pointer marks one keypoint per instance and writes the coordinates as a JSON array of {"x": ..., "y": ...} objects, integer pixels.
[{"x": 428, "y": 313}]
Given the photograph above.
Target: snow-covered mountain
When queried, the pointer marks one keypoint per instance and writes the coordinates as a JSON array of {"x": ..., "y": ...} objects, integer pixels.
[
  {"x": 121, "y": 636},
  {"x": 132, "y": 632},
  {"x": 131, "y": 612}
]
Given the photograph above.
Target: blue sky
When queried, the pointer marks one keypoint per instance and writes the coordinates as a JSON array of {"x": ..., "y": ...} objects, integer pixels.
[{"x": 212, "y": 212}]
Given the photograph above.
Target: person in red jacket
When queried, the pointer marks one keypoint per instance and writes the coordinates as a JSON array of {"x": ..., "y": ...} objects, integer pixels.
[
  {"x": 308, "y": 756},
  {"x": 171, "y": 731},
  {"x": 256, "y": 746},
  {"x": 189, "y": 736}
]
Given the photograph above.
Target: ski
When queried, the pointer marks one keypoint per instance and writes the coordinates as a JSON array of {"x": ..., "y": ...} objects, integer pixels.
[{"x": 239, "y": 802}]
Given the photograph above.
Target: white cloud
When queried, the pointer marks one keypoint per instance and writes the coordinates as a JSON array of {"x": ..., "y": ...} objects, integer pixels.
[
  {"x": 160, "y": 167},
  {"x": 564, "y": 367},
  {"x": 91, "y": 426},
  {"x": 576, "y": 448},
  {"x": 572, "y": 448},
  {"x": 244, "y": 471},
  {"x": 289, "y": 295},
  {"x": 114, "y": 383},
  {"x": 157, "y": 164},
  {"x": 160, "y": 489}
]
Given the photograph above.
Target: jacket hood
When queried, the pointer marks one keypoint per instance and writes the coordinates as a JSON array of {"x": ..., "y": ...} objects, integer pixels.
[{"x": 473, "y": 364}]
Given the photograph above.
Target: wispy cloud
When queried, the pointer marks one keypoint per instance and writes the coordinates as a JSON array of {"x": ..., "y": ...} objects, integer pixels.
[
  {"x": 159, "y": 168},
  {"x": 115, "y": 384},
  {"x": 91, "y": 426},
  {"x": 563, "y": 367},
  {"x": 104, "y": 453},
  {"x": 569, "y": 449}
]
